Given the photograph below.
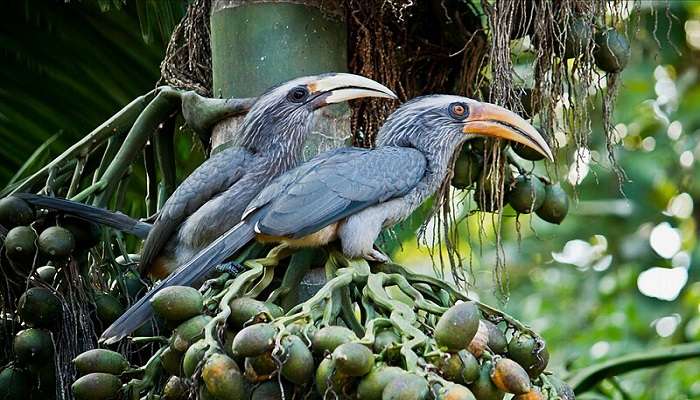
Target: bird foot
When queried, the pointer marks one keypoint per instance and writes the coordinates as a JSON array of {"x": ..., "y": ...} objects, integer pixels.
[
  {"x": 232, "y": 268},
  {"x": 376, "y": 256}
]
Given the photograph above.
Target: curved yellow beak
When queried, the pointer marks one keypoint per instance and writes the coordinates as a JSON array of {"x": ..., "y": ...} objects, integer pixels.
[
  {"x": 341, "y": 87},
  {"x": 486, "y": 119}
]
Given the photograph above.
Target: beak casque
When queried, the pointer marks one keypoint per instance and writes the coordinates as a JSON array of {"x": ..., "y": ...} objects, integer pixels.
[
  {"x": 343, "y": 87},
  {"x": 490, "y": 120}
]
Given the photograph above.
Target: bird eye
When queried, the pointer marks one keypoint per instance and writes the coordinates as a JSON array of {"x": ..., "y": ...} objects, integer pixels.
[
  {"x": 298, "y": 94},
  {"x": 458, "y": 111}
]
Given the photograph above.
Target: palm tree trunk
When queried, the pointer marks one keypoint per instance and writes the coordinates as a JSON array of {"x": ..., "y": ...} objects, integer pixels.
[{"x": 257, "y": 44}]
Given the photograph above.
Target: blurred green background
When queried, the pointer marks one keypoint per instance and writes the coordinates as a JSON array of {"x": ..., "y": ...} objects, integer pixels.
[{"x": 617, "y": 276}]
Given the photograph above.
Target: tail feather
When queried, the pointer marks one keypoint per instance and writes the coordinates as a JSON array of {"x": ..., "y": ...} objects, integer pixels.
[
  {"x": 101, "y": 216},
  {"x": 186, "y": 275}
]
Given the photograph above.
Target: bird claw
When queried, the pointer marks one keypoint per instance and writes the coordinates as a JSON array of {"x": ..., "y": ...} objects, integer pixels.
[
  {"x": 376, "y": 256},
  {"x": 232, "y": 268}
]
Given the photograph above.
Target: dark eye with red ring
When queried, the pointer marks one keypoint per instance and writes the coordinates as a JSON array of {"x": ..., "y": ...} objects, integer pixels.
[
  {"x": 298, "y": 94},
  {"x": 459, "y": 110}
]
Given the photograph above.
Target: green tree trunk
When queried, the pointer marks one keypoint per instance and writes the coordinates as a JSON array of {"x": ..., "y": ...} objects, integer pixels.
[{"x": 259, "y": 43}]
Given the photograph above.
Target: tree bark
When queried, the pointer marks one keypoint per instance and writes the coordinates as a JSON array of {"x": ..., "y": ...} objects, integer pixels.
[{"x": 259, "y": 43}]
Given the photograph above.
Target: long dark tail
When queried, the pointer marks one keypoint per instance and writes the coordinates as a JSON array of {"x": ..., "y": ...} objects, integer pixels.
[
  {"x": 101, "y": 216},
  {"x": 186, "y": 275}
]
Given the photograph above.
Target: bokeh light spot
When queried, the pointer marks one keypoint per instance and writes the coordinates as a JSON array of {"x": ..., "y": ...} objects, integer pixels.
[
  {"x": 662, "y": 283},
  {"x": 665, "y": 240}
]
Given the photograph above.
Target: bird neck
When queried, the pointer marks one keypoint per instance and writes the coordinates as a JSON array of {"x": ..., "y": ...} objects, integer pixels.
[
  {"x": 280, "y": 141},
  {"x": 438, "y": 154}
]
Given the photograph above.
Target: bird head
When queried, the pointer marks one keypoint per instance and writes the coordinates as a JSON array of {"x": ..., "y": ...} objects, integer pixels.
[
  {"x": 285, "y": 112},
  {"x": 441, "y": 123}
]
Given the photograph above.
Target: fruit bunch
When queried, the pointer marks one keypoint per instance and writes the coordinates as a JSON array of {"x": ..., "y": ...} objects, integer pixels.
[
  {"x": 525, "y": 193},
  {"x": 43, "y": 256},
  {"x": 354, "y": 339}
]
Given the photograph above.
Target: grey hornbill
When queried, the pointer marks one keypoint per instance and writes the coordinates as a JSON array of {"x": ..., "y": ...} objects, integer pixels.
[
  {"x": 212, "y": 199},
  {"x": 351, "y": 194}
]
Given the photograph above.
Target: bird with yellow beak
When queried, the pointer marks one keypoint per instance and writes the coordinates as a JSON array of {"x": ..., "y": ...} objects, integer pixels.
[{"x": 351, "y": 194}]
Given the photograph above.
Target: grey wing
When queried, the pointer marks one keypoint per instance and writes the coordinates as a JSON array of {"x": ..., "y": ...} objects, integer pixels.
[
  {"x": 215, "y": 175},
  {"x": 278, "y": 185},
  {"x": 341, "y": 186}
]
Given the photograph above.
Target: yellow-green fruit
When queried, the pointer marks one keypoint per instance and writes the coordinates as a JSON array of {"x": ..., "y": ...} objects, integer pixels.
[
  {"x": 188, "y": 332},
  {"x": 177, "y": 303},
  {"x": 461, "y": 367},
  {"x": 108, "y": 308},
  {"x": 46, "y": 274},
  {"x": 526, "y": 194},
  {"x": 20, "y": 244},
  {"x": 223, "y": 378},
  {"x": 497, "y": 341},
  {"x": 330, "y": 337},
  {"x": 39, "y": 307},
  {"x": 203, "y": 393},
  {"x": 353, "y": 359},
  {"x": 328, "y": 378},
  {"x": 455, "y": 392},
  {"x": 524, "y": 350},
  {"x": 260, "y": 367},
  {"x": 483, "y": 388},
  {"x": 130, "y": 285},
  {"x": 373, "y": 384},
  {"x": 33, "y": 347},
  {"x": 578, "y": 36},
  {"x": 406, "y": 387},
  {"x": 14, "y": 212},
  {"x": 270, "y": 390},
  {"x": 467, "y": 169},
  {"x": 193, "y": 356},
  {"x": 564, "y": 391},
  {"x": 510, "y": 377},
  {"x": 15, "y": 384},
  {"x": 244, "y": 310},
  {"x": 254, "y": 340},
  {"x": 171, "y": 360},
  {"x": 100, "y": 360},
  {"x": 175, "y": 389},
  {"x": 96, "y": 386},
  {"x": 384, "y": 339},
  {"x": 457, "y": 326},
  {"x": 534, "y": 394},
  {"x": 297, "y": 361},
  {"x": 612, "y": 51},
  {"x": 56, "y": 242},
  {"x": 86, "y": 234},
  {"x": 324, "y": 375},
  {"x": 555, "y": 205}
]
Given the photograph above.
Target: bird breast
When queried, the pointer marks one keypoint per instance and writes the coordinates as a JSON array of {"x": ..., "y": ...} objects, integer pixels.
[{"x": 316, "y": 239}]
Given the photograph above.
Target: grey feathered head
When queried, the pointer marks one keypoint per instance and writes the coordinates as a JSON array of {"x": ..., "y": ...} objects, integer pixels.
[
  {"x": 282, "y": 116},
  {"x": 440, "y": 123}
]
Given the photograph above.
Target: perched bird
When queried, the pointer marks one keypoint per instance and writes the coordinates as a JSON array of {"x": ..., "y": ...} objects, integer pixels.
[
  {"x": 351, "y": 194},
  {"x": 212, "y": 199}
]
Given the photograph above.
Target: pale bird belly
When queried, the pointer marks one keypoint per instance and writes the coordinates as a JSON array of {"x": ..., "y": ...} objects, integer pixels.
[{"x": 316, "y": 239}]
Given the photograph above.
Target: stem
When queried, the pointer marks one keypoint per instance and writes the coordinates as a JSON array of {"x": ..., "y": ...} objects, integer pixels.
[
  {"x": 155, "y": 112},
  {"x": 116, "y": 124},
  {"x": 589, "y": 377},
  {"x": 165, "y": 155},
  {"x": 201, "y": 113},
  {"x": 149, "y": 162},
  {"x": 77, "y": 173},
  {"x": 113, "y": 144}
]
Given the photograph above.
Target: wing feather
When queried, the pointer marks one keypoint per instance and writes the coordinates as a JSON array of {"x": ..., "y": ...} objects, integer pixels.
[
  {"x": 336, "y": 186},
  {"x": 214, "y": 176}
]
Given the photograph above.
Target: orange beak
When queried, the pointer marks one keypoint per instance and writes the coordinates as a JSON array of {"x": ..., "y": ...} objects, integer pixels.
[{"x": 486, "y": 119}]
